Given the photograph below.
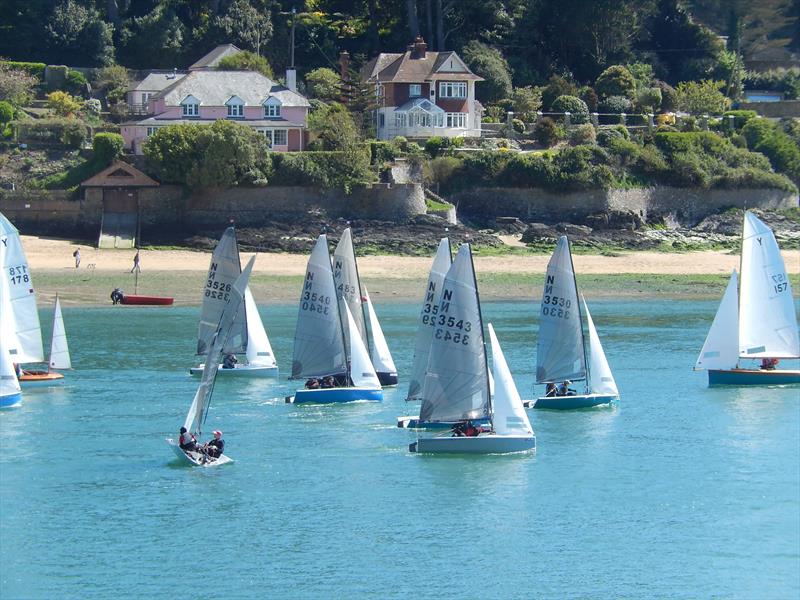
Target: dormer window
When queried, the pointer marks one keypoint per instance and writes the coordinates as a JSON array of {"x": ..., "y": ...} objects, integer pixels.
[
  {"x": 415, "y": 90},
  {"x": 235, "y": 108},
  {"x": 190, "y": 107},
  {"x": 272, "y": 108}
]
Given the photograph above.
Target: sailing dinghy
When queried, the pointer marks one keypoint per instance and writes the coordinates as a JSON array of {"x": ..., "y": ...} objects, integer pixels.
[
  {"x": 19, "y": 317},
  {"x": 456, "y": 384},
  {"x": 10, "y": 393},
  {"x": 758, "y": 323},
  {"x": 249, "y": 335},
  {"x": 561, "y": 354},
  {"x": 328, "y": 342},
  {"x": 198, "y": 411}
]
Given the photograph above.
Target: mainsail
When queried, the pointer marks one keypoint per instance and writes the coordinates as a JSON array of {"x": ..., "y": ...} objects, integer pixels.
[
  {"x": 259, "y": 350},
  {"x": 227, "y": 323},
  {"x": 318, "y": 338},
  {"x": 721, "y": 348},
  {"x": 59, "y": 350},
  {"x": 430, "y": 306},
  {"x": 601, "y": 380},
  {"x": 456, "y": 385},
  {"x": 19, "y": 319},
  {"x": 348, "y": 286},
  {"x": 767, "y": 319},
  {"x": 508, "y": 412},
  {"x": 560, "y": 352},
  {"x": 223, "y": 271},
  {"x": 381, "y": 357}
]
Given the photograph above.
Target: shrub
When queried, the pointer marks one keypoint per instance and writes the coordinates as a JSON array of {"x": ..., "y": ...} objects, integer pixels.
[
  {"x": 605, "y": 135},
  {"x": 62, "y": 103},
  {"x": 246, "y": 61},
  {"x": 112, "y": 82},
  {"x": 92, "y": 107},
  {"x": 701, "y": 97},
  {"x": 442, "y": 170},
  {"x": 107, "y": 147},
  {"x": 76, "y": 84},
  {"x": 668, "y": 96},
  {"x": 546, "y": 132},
  {"x": 526, "y": 101},
  {"x": 649, "y": 99},
  {"x": 589, "y": 96},
  {"x": 583, "y": 135},
  {"x": 517, "y": 125},
  {"x": 31, "y": 68},
  {"x": 615, "y": 81},
  {"x": 579, "y": 112},
  {"x": 434, "y": 145},
  {"x": 6, "y": 112},
  {"x": 16, "y": 86},
  {"x": 615, "y": 105},
  {"x": 740, "y": 118},
  {"x": 557, "y": 86},
  {"x": 381, "y": 152}
]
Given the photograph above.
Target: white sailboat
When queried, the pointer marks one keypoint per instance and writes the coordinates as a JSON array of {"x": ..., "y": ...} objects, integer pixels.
[
  {"x": 381, "y": 356},
  {"x": 198, "y": 411},
  {"x": 561, "y": 354},
  {"x": 249, "y": 335},
  {"x": 59, "y": 348},
  {"x": 323, "y": 348},
  {"x": 760, "y": 323},
  {"x": 19, "y": 317},
  {"x": 456, "y": 384},
  {"x": 10, "y": 393}
]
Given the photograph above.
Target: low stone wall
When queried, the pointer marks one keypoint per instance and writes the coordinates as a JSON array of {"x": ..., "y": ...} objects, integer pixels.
[
  {"x": 682, "y": 206},
  {"x": 51, "y": 213},
  {"x": 774, "y": 110}
]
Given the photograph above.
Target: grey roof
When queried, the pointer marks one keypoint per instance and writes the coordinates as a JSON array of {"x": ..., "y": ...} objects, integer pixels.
[
  {"x": 211, "y": 60},
  {"x": 157, "y": 81},
  {"x": 215, "y": 88},
  {"x": 163, "y": 122}
]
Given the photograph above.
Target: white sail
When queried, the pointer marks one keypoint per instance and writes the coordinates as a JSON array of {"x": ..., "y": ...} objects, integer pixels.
[
  {"x": 721, "y": 348},
  {"x": 456, "y": 385},
  {"x": 508, "y": 413},
  {"x": 560, "y": 352},
  {"x": 9, "y": 385},
  {"x": 259, "y": 350},
  {"x": 318, "y": 338},
  {"x": 19, "y": 318},
  {"x": 222, "y": 272},
  {"x": 381, "y": 357},
  {"x": 59, "y": 350},
  {"x": 348, "y": 286},
  {"x": 362, "y": 373},
  {"x": 767, "y": 319},
  {"x": 228, "y": 321},
  {"x": 601, "y": 380},
  {"x": 430, "y": 306}
]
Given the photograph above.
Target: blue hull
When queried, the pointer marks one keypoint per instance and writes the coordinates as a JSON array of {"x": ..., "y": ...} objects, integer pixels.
[
  {"x": 753, "y": 377},
  {"x": 11, "y": 400},
  {"x": 573, "y": 402},
  {"x": 337, "y": 395}
]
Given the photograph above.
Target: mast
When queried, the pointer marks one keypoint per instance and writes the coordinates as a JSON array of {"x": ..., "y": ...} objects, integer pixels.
[
  {"x": 580, "y": 319},
  {"x": 338, "y": 311},
  {"x": 739, "y": 289},
  {"x": 360, "y": 293}
]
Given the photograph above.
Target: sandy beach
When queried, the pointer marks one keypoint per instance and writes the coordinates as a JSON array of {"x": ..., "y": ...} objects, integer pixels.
[{"x": 276, "y": 276}]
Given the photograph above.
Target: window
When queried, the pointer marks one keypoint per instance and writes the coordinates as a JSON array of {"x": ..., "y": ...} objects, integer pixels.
[
  {"x": 415, "y": 90},
  {"x": 190, "y": 110},
  {"x": 272, "y": 110},
  {"x": 452, "y": 89},
  {"x": 381, "y": 120},
  {"x": 457, "y": 120},
  {"x": 400, "y": 119},
  {"x": 151, "y": 131},
  {"x": 235, "y": 111},
  {"x": 275, "y": 137},
  {"x": 379, "y": 90}
]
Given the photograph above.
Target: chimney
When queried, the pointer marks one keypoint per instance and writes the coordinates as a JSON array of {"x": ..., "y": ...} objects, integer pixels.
[
  {"x": 344, "y": 65},
  {"x": 291, "y": 79},
  {"x": 419, "y": 48}
]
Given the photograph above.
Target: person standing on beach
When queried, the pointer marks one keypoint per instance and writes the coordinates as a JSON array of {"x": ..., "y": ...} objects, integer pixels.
[
  {"x": 77, "y": 255},
  {"x": 136, "y": 266}
]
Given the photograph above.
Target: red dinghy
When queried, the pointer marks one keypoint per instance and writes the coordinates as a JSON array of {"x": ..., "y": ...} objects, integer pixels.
[{"x": 146, "y": 300}]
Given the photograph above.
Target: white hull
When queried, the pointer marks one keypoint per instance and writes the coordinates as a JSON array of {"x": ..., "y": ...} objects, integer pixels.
[
  {"x": 240, "y": 371},
  {"x": 482, "y": 444},
  {"x": 196, "y": 458}
]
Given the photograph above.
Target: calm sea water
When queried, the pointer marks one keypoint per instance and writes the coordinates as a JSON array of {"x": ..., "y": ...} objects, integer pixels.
[{"x": 680, "y": 491}]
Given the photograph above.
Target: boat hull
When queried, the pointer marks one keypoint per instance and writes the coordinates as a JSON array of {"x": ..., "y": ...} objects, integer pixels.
[
  {"x": 247, "y": 371},
  {"x": 387, "y": 379},
  {"x": 753, "y": 377},
  {"x": 571, "y": 402},
  {"x": 196, "y": 458},
  {"x": 412, "y": 422},
  {"x": 40, "y": 378},
  {"x": 337, "y": 395},
  {"x": 10, "y": 400},
  {"x": 146, "y": 300},
  {"x": 482, "y": 444}
]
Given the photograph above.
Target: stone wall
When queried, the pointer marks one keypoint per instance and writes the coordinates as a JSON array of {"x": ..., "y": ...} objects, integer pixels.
[
  {"x": 774, "y": 110},
  {"x": 673, "y": 205}
]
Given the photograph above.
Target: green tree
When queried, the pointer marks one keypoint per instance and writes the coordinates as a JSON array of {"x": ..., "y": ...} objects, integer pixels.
[
  {"x": 488, "y": 62},
  {"x": 160, "y": 29},
  {"x": 324, "y": 84},
  {"x": 730, "y": 69},
  {"x": 526, "y": 101},
  {"x": 78, "y": 35},
  {"x": 579, "y": 112},
  {"x": 616, "y": 81},
  {"x": 246, "y": 61},
  {"x": 172, "y": 151},
  {"x": 334, "y": 126},
  {"x": 112, "y": 82},
  {"x": 106, "y": 147},
  {"x": 701, "y": 97},
  {"x": 557, "y": 86},
  {"x": 246, "y": 25},
  {"x": 62, "y": 103}
]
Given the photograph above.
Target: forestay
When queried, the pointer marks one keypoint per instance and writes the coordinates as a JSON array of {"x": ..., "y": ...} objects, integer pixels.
[
  {"x": 223, "y": 271},
  {"x": 19, "y": 319},
  {"x": 362, "y": 373},
  {"x": 601, "y": 380},
  {"x": 259, "y": 350},
  {"x": 508, "y": 413},
  {"x": 318, "y": 339},
  {"x": 721, "y": 348},
  {"x": 228, "y": 321},
  {"x": 381, "y": 357},
  {"x": 59, "y": 350},
  {"x": 456, "y": 384},
  {"x": 560, "y": 352},
  {"x": 348, "y": 286},
  {"x": 767, "y": 320},
  {"x": 430, "y": 306}
]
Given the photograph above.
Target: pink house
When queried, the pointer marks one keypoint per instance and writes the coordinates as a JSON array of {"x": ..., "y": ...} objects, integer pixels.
[{"x": 204, "y": 96}]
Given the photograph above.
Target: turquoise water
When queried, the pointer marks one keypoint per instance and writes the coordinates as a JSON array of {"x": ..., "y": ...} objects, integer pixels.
[{"x": 680, "y": 491}]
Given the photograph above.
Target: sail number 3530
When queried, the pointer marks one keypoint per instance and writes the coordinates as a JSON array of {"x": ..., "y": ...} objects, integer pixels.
[{"x": 554, "y": 306}]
